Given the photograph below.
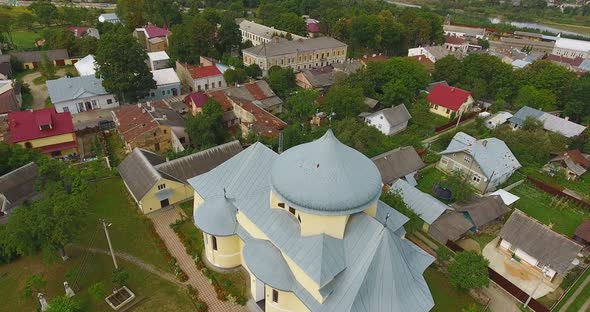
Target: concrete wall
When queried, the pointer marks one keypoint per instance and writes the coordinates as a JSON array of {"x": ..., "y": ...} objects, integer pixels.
[{"x": 81, "y": 105}]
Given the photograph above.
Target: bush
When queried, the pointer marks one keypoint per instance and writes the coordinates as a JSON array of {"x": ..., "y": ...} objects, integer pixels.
[
  {"x": 97, "y": 291},
  {"x": 444, "y": 254},
  {"x": 469, "y": 270},
  {"x": 120, "y": 277}
]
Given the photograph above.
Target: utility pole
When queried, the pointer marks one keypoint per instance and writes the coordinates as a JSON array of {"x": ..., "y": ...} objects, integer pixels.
[
  {"x": 543, "y": 270},
  {"x": 106, "y": 232}
]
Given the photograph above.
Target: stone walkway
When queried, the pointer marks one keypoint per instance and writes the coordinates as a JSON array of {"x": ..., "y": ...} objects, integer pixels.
[
  {"x": 571, "y": 299},
  {"x": 162, "y": 220}
]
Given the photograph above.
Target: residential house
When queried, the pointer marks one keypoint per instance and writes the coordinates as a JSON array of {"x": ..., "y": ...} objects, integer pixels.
[
  {"x": 195, "y": 101},
  {"x": 450, "y": 226},
  {"x": 229, "y": 118},
  {"x": 86, "y": 66},
  {"x": 5, "y": 67},
  {"x": 260, "y": 34},
  {"x": 571, "y": 48},
  {"x": 109, "y": 18},
  {"x": 402, "y": 162},
  {"x": 79, "y": 94},
  {"x": 258, "y": 92},
  {"x": 572, "y": 164},
  {"x": 297, "y": 54},
  {"x": 152, "y": 38},
  {"x": 32, "y": 59},
  {"x": 497, "y": 120},
  {"x": 537, "y": 245},
  {"x": 167, "y": 85},
  {"x": 17, "y": 187},
  {"x": 372, "y": 104},
  {"x": 375, "y": 58},
  {"x": 313, "y": 27},
  {"x": 154, "y": 182},
  {"x": 390, "y": 120},
  {"x": 349, "y": 66},
  {"x": 449, "y": 101},
  {"x": 486, "y": 163},
  {"x": 582, "y": 233},
  {"x": 50, "y": 132},
  {"x": 425, "y": 205},
  {"x": 453, "y": 43},
  {"x": 483, "y": 211},
  {"x": 320, "y": 78},
  {"x": 464, "y": 31},
  {"x": 310, "y": 245},
  {"x": 82, "y": 31},
  {"x": 152, "y": 126},
  {"x": 158, "y": 60},
  {"x": 550, "y": 122},
  {"x": 433, "y": 53},
  {"x": 10, "y": 97},
  {"x": 424, "y": 61},
  {"x": 200, "y": 78},
  {"x": 257, "y": 120}
]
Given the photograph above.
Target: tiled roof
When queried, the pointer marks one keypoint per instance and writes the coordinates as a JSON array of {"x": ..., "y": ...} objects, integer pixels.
[
  {"x": 198, "y": 98},
  {"x": 447, "y": 96},
  {"x": 375, "y": 58},
  {"x": 266, "y": 124},
  {"x": 202, "y": 71},
  {"x": 454, "y": 40},
  {"x": 575, "y": 62},
  {"x": 154, "y": 31},
  {"x": 220, "y": 97},
  {"x": 24, "y": 125},
  {"x": 134, "y": 120},
  {"x": 78, "y": 30}
]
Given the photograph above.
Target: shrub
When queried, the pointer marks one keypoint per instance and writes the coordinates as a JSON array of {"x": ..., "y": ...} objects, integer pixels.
[
  {"x": 97, "y": 291},
  {"x": 444, "y": 254},
  {"x": 221, "y": 293},
  {"x": 120, "y": 277},
  {"x": 469, "y": 270},
  {"x": 201, "y": 306}
]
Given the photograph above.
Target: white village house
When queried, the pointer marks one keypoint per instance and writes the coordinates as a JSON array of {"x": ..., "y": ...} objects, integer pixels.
[
  {"x": 79, "y": 94},
  {"x": 390, "y": 120},
  {"x": 158, "y": 60},
  {"x": 167, "y": 85}
]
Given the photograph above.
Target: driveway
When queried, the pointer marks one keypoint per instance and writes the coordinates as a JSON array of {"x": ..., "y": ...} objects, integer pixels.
[
  {"x": 520, "y": 274},
  {"x": 39, "y": 92},
  {"x": 162, "y": 220},
  {"x": 500, "y": 300}
]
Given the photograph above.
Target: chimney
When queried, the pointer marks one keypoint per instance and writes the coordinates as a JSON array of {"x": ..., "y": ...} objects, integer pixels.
[
  {"x": 149, "y": 104},
  {"x": 566, "y": 118},
  {"x": 484, "y": 143},
  {"x": 164, "y": 117}
]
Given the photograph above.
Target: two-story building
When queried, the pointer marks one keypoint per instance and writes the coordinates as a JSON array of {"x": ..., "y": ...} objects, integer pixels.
[
  {"x": 79, "y": 94},
  {"x": 10, "y": 96},
  {"x": 309, "y": 228},
  {"x": 449, "y": 101},
  {"x": 572, "y": 48},
  {"x": 167, "y": 85},
  {"x": 158, "y": 60},
  {"x": 259, "y": 34},
  {"x": 200, "y": 78},
  {"x": 296, "y": 54},
  {"x": 152, "y": 38},
  {"x": 50, "y": 132},
  {"x": 485, "y": 163}
]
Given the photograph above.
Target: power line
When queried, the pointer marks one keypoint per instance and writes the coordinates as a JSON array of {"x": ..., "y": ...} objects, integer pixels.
[{"x": 84, "y": 260}]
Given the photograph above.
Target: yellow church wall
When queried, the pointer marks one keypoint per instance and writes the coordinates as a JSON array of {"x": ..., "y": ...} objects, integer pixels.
[
  {"x": 312, "y": 287},
  {"x": 150, "y": 203},
  {"x": 228, "y": 253},
  {"x": 287, "y": 301},
  {"x": 250, "y": 227},
  {"x": 372, "y": 211},
  {"x": 315, "y": 225},
  {"x": 52, "y": 140}
]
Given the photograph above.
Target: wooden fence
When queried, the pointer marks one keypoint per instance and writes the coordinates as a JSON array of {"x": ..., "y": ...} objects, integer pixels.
[
  {"x": 508, "y": 286},
  {"x": 454, "y": 122},
  {"x": 557, "y": 192}
]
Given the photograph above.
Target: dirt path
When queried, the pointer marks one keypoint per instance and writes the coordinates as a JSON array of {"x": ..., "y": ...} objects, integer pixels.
[
  {"x": 575, "y": 295},
  {"x": 147, "y": 267},
  {"x": 39, "y": 92}
]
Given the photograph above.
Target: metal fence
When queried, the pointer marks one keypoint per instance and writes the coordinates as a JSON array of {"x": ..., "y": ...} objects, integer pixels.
[
  {"x": 454, "y": 122},
  {"x": 558, "y": 192}
]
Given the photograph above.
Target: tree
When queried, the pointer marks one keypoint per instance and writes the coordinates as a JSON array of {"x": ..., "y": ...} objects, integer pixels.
[
  {"x": 45, "y": 12},
  {"x": 206, "y": 129},
  {"x": 281, "y": 80},
  {"x": 395, "y": 201},
  {"x": 131, "y": 11},
  {"x": 121, "y": 65},
  {"x": 345, "y": 102},
  {"x": 541, "y": 99},
  {"x": 291, "y": 22},
  {"x": 300, "y": 106},
  {"x": 47, "y": 68},
  {"x": 229, "y": 36},
  {"x": 14, "y": 156},
  {"x": 64, "y": 304},
  {"x": 97, "y": 291},
  {"x": 24, "y": 20},
  {"x": 162, "y": 12},
  {"x": 120, "y": 277},
  {"x": 233, "y": 76},
  {"x": 449, "y": 69},
  {"x": 393, "y": 34},
  {"x": 545, "y": 75},
  {"x": 191, "y": 39},
  {"x": 253, "y": 70},
  {"x": 59, "y": 38},
  {"x": 469, "y": 270},
  {"x": 576, "y": 106},
  {"x": 35, "y": 284}
]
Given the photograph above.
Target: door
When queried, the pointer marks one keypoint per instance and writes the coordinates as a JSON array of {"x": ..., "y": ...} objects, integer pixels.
[
  {"x": 88, "y": 106},
  {"x": 164, "y": 203},
  {"x": 60, "y": 62},
  {"x": 259, "y": 290}
]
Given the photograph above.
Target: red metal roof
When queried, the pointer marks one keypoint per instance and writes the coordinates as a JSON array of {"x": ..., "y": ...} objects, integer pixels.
[
  {"x": 25, "y": 125},
  {"x": 447, "y": 96},
  {"x": 78, "y": 30},
  {"x": 205, "y": 71},
  {"x": 313, "y": 27},
  {"x": 154, "y": 31},
  {"x": 197, "y": 98},
  {"x": 578, "y": 158},
  {"x": 454, "y": 40},
  {"x": 256, "y": 92},
  {"x": 58, "y": 147},
  {"x": 562, "y": 59}
]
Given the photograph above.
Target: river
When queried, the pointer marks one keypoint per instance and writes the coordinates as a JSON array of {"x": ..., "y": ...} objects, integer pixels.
[{"x": 537, "y": 26}]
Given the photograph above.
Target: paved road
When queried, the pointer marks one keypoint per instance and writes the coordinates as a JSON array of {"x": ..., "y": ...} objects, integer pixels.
[
  {"x": 104, "y": 6},
  {"x": 162, "y": 220}
]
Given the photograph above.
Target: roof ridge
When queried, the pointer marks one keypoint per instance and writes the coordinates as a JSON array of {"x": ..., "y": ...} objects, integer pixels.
[{"x": 151, "y": 167}]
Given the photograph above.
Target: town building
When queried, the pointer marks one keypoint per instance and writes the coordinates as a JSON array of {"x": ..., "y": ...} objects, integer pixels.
[
  {"x": 158, "y": 60},
  {"x": 485, "y": 163},
  {"x": 167, "y": 85},
  {"x": 200, "y": 78},
  {"x": 86, "y": 66},
  {"x": 50, "y": 132},
  {"x": 296, "y": 54},
  {"x": 453, "y": 44},
  {"x": 313, "y": 27},
  {"x": 318, "y": 78},
  {"x": 10, "y": 97},
  {"x": 572, "y": 48},
  {"x": 402, "y": 162},
  {"x": 82, "y": 31},
  {"x": 152, "y": 126},
  {"x": 155, "y": 183},
  {"x": 309, "y": 228},
  {"x": 571, "y": 164},
  {"x": 255, "y": 119},
  {"x": 195, "y": 101},
  {"x": 152, "y": 38},
  {"x": 433, "y": 53},
  {"x": 79, "y": 94},
  {"x": 464, "y": 31},
  {"x": 537, "y": 245},
  {"x": 390, "y": 120},
  {"x": 550, "y": 122},
  {"x": 109, "y": 18},
  {"x": 17, "y": 187},
  {"x": 449, "y": 101},
  {"x": 259, "y": 34}
]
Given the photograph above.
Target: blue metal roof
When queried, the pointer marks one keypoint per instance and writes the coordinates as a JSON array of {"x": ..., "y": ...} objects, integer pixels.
[
  {"x": 426, "y": 206},
  {"x": 326, "y": 177},
  {"x": 217, "y": 216}
]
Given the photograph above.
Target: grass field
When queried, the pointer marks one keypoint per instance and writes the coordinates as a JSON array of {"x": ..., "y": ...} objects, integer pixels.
[
  {"x": 563, "y": 216},
  {"x": 446, "y": 298},
  {"x": 579, "y": 301},
  {"x": 25, "y": 40}
]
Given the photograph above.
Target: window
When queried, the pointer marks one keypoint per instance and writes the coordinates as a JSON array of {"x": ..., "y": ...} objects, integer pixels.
[
  {"x": 275, "y": 296},
  {"x": 448, "y": 111},
  {"x": 28, "y": 145},
  {"x": 282, "y": 205},
  {"x": 163, "y": 92},
  {"x": 299, "y": 218},
  {"x": 167, "y": 91},
  {"x": 206, "y": 86},
  {"x": 109, "y": 101},
  {"x": 157, "y": 147},
  {"x": 435, "y": 106},
  {"x": 214, "y": 242},
  {"x": 56, "y": 154},
  {"x": 45, "y": 127},
  {"x": 466, "y": 159},
  {"x": 476, "y": 178},
  {"x": 292, "y": 210},
  {"x": 94, "y": 104},
  {"x": 161, "y": 186},
  {"x": 66, "y": 109}
]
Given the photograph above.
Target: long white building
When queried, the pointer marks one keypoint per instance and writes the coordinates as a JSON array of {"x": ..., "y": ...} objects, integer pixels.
[
  {"x": 259, "y": 34},
  {"x": 572, "y": 48}
]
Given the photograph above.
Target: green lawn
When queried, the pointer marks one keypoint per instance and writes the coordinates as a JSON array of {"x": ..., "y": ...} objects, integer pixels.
[
  {"x": 579, "y": 301},
  {"x": 428, "y": 177},
  {"x": 128, "y": 231},
  {"x": 187, "y": 207},
  {"x": 562, "y": 215},
  {"x": 25, "y": 40},
  {"x": 98, "y": 268},
  {"x": 446, "y": 297},
  {"x": 580, "y": 185}
]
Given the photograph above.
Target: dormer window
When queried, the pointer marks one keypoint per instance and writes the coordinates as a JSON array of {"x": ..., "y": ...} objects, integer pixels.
[
  {"x": 292, "y": 210},
  {"x": 281, "y": 205},
  {"x": 45, "y": 127},
  {"x": 28, "y": 145}
]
